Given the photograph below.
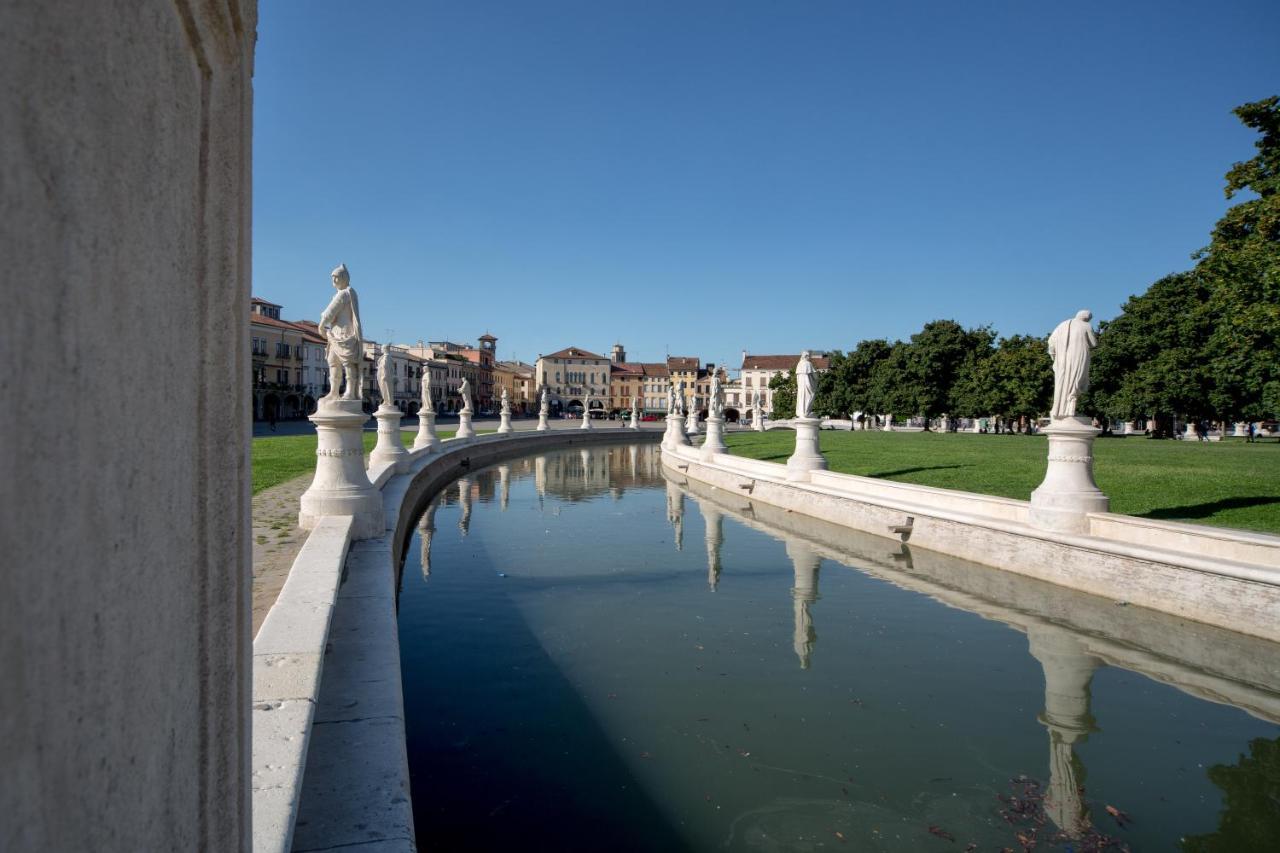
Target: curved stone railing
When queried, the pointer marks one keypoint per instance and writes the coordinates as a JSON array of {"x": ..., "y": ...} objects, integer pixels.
[
  {"x": 328, "y": 764},
  {"x": 1222, "y": 577}
]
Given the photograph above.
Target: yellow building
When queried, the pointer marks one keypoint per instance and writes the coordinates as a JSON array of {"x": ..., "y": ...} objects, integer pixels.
[
  {"x": 571, "y": 376},
  {"x": 517, "y": 379},
  {"x": 288, "y": 358}
]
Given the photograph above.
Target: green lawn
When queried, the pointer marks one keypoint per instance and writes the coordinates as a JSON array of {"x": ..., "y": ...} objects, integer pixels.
[
  {"x": 277, "y": 458},
  {"x": 1229, "y": 483}
]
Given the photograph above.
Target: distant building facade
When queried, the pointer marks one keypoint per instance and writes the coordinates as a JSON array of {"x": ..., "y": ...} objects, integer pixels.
[
  {"x": 571, "y": 375},
  {"x": 288, "y": 362},
  {"x": 758, "y": 370}
]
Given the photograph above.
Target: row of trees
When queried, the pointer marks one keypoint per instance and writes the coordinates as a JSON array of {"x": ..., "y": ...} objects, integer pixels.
[{"x": 1204, "y": 343}]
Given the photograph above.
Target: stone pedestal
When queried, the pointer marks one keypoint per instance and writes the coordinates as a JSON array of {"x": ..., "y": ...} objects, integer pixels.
[
  {"x": 504, "y": 424},
  {"x": 715, "y": 438},
  {"x": 691, "y": 423},
  {"x": 977, "y": 425},
  {"x": 390, "y": 447},
  {"x": 427, "y": 438},
  {"x": 757, "y": 422},
  {"x": 340, "y": 485},
  {"x": 807, "y": 457},
  {"x": 1191, "y": 434},
  {"x": 1131, "y": 428},
  {"x": 1241, "y": 430},
  {"x": 1068, "y": 493},
  {"x": 543, "y": 426},
  {"x": 586, "y": 420},
  {"x": 465, "y": 430},
  {"x": 675, "y": 435},
  {"x": 635, "y": 419},
  {"x": 888, "y": 424}
]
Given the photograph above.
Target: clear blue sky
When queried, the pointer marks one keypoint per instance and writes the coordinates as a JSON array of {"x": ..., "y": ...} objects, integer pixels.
[{"x": 713, "y": 176}]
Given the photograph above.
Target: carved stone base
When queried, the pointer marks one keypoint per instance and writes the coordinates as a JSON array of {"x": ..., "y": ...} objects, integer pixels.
[
  {"x": 341, "y": 486},
  {"x": 635, "y": 420},
  {"x": 390, "y": 447},
  {"x": 427, "y": 438},
  {"x": 807, "y": 457},
  {"x": 543, "y": 426},
  {"x": 1062, "y": 502},
  {"x": 691, "y": 423},
  {"x": 504, "y": 425},
  {"x": 465, "y": 430},
  {"x": 757, "y": 422},
  {"x": 586, "y": 420},
  {"x": 715, "y": 438},
  {"x": 675, "y": 435}
]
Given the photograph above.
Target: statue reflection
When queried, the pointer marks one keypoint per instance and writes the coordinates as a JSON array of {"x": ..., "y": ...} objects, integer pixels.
[
  {"x": 715, "y": 539},
  {"x": 540, "y": 475},
  {"x": 464, "y": 497},
  {"x": 504, "y": 486},
  {"x": 675, "y": 512},
  {"x": 426, "y": 527},
  {"x": 805, "y": 564},
  {"x": 1068, "y": 671}
]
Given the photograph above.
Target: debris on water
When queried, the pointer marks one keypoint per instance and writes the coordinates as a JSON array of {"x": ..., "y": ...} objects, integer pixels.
[
  {"x": 1122, "y": 818},
  {"x": 1122, "y": 604},
  {"x": 941, "y": 833},
  {"x": 645, "y": 755},
  {"x": 502, "y": 574},
  {"x": 840, "y": 835}
]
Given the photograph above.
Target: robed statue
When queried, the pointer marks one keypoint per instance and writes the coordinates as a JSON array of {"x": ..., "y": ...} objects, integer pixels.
[
  {"x": 806, "y": 386},
  {"x": 716, "y": 404},
  {"x": 1070, "y": 346},
  {"x": 384, "y": 377},
  {"x": 546, "y": 402},
  {"x": 428, "y": 405},
  {"x": 465, "y": 391},
  {"x": 340, "y": 326},
  {"x": 506, "y": 404}
]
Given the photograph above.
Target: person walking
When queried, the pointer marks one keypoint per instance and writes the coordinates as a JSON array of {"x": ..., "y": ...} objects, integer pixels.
[{"x": 1249, "y": 433}]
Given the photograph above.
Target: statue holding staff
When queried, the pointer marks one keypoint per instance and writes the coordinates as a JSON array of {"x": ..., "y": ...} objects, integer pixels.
[
  {"x": 340, "y": 326},
  {"x": 1070, "y": 346},
  {"x": 806, "y": 386}
]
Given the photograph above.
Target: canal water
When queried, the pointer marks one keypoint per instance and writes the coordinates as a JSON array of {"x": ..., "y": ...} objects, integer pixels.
[{"x": 600, "y": 657}]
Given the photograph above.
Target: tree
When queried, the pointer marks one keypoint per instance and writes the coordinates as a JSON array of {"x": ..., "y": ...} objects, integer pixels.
[
  {"x": 783, "y": 386},
  {"x": 845, "y": 387},
  {"x": 936, "y": 356},
  {"x": 892, "y": 387}
]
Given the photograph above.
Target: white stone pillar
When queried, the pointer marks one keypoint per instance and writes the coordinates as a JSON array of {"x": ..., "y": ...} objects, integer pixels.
[
  {"x": 586, "y": 420},
  {"x": 675, "y": 432},
  {"x": 1062, "y": 502},
  {"x": 803, "y": 594},
  {"x": 635, "y": 418},
  {"x": 504, "y": 423},
  {"x": 691, "y": 422},
  {"x": 1131, "y": 428},
  {"x": 976, "y": 426},
  {"x": 714, "y": 519},
  {"x": 1241, "y": 430},
  {"x": 390, "y": 447},
  {"x": 1068, "y": 670},
  {"x": 341, "y": 486},
  {"x": 807, "y": 457},
  {"x": 543, "y": 426},
  {"x": 465, "y": 429},
  {"x": 427, "y": 438},
  {"x": 757, "y": 420},
  {"x": 888, "y": 423},
  {"x": 715, "y": 438}
]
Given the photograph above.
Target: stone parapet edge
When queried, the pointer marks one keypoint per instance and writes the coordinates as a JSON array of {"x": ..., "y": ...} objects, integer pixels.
[
  {"x": 1174, "y": 576},
  {"x": 289, "y": 650}
]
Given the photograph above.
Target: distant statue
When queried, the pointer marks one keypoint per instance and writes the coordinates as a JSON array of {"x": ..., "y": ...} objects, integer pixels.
[
  {"x": 1069, "y": 346},
  {"x": 635, "y": 404},
  {"x": 682, "y": 404},
  {"x": 671, "y": 399},
  {"x": 546, "y": 402},
  {"x": 716, "y": 404},
  {"x": 384, "y": 376},
  {"x": 806, "y": 386},
  {"x": 755, "y": 401},
  {"x": 340, "y": 326},
  {"x": 465, "y": 391},
  {"x": 506, "y": 404},
  {"x": 428, "y": 405}
]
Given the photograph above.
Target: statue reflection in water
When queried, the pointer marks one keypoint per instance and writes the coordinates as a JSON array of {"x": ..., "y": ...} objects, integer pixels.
[
  {"x": 804, "y": 593},
  {"x": 427, "y": 527},
  {"x": 464, "y": 497},
  {"x": 504, "y": 486},
  {"x": 715, "y": 539},
  {"x": 675, "y": 512}
]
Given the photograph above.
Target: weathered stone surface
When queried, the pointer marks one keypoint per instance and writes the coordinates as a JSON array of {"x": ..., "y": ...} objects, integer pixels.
[{"x": 124, "y": 598}]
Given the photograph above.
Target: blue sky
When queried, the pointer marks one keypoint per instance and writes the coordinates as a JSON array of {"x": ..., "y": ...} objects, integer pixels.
[{"x": 704, "y": 177}]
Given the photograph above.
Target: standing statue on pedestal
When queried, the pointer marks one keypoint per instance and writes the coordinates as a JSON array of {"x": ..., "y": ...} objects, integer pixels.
[
  {"x": 671, "y": 399},
  {"x": 506, "y": 404},
  {"x": 545, "y": 408},
  {"x": 682, "y": 404},
  {"x": 340, "y": 326},
  {"x": 465, "y": 391},
  {"x": 716, "y": 403},
  {"x": 1070, "y": 346},
  {"x": 384, "y": 377},
  {"x": 428, "y": 405},
  {"x": 806, "y": 386}
]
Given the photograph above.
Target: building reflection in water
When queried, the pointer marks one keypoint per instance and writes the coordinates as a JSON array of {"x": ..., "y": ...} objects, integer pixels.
[
  {"x": 804, "y": 593},
  {"x": 1068, "y": 671},
  {"x": 715, "y": 539}
]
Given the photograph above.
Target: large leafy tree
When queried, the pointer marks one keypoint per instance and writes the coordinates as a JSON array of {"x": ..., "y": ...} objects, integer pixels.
[
  {"x": 783, "y": 386},
  {"x": 892, "y": 385},
  {"x": 1241, "y": 266},
  {"x": 845, "y": 388},
  {"x": 936, "y": 356}
]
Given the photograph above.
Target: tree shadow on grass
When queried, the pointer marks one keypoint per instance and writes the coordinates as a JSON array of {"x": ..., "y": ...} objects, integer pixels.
[
  {"x": 900, "y": 471},
  {"x": 1205, "y": 510}
]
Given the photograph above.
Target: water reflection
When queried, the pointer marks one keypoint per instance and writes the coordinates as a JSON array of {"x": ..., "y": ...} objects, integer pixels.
[{"x": 703, "y": 705}]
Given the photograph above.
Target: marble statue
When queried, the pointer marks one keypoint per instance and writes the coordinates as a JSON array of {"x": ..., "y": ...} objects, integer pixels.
[
  {"x": 465, "y": 392},
  {"x": 682, "y": 405},
  {"x": 428, "y": 405},
  {"x": 716, "y": 404},
  {"x": 340, "y": 326},
  {"x": 506, "y": 404},
  {"x": 384, "y": 377},
  {"x": 1070, "y": 346},
  {"x": 635, "y": 404},
  {"x": 755, "y": 403},
  {"x": 806, "y": 386},
  {"x": 546, "y": 402},
  {"x": 671, "y": 399}
]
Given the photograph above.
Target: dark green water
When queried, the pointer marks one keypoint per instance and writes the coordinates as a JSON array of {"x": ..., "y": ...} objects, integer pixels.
[{"x": 600, "y": 659}]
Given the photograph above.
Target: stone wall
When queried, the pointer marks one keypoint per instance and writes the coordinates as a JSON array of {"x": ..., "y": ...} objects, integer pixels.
[{"x": 125, "y": 133}]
